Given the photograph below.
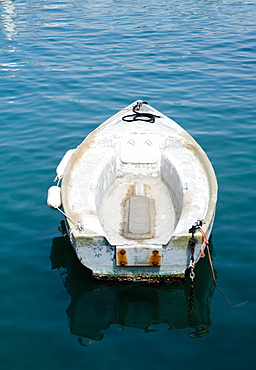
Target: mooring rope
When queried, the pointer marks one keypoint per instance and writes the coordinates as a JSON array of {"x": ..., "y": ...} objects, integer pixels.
[
  {"x": 205, "y": 243},
  {"x": 139, "y": 116},
  {"x": 77, "y": 224}
]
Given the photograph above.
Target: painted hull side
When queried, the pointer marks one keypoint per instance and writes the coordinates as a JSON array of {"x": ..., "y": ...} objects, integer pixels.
[{"x": 99, "y": 256}]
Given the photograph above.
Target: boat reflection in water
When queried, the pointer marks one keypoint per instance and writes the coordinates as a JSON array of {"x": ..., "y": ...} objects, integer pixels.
[{"x": 96, "y": 305}]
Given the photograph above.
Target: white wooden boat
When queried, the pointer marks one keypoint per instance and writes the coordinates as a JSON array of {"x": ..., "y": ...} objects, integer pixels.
[{"x": 131, "y": 192}]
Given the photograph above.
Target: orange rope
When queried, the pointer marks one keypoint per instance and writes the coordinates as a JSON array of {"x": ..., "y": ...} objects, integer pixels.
[
  {"x": 205, "y": 242},
  {"x": 211, "y": 265}
]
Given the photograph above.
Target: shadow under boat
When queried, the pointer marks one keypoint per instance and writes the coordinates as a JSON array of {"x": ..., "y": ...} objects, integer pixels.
[{"x": 95, "y": 305}]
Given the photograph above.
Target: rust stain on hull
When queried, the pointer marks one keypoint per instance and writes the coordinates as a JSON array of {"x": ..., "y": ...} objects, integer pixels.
[
  {"x": 155, "y": 259},
  {"x": 122, "y": 258}
]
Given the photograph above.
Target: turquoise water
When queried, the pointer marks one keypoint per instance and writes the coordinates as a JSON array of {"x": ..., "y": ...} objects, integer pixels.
[{"x": 65, "y": 67}]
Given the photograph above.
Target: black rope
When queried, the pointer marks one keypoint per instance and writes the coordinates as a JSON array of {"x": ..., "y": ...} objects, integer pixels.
[
  {"x": 138, "y": 116},
  {"x": 195, "y": 227}
]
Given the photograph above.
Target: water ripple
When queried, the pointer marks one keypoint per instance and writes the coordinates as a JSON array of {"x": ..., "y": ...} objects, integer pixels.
[{"x": 65, "y": 67}]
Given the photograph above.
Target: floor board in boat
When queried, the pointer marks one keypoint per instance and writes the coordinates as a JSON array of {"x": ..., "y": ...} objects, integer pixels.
[{"x": 112, "y": 212}]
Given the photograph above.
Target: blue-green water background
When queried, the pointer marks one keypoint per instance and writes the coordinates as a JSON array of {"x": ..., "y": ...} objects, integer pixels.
[{"x": 65, "y": 67}]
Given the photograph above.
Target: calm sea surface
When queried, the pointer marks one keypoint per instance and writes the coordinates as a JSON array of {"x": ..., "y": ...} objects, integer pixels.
[{"x": 65, "y": 67}]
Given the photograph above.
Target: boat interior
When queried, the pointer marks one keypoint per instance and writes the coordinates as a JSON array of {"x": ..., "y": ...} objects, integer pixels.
[
  {"x": 135, "y": 189},
  {"x": 139, "y": 194},
  {"x": 139, "y": 208}
]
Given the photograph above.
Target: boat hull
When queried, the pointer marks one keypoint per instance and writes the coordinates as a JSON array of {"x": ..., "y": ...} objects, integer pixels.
[
  {"x": 131, "y": 192},
  {"x": 102, "y": 258}
]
